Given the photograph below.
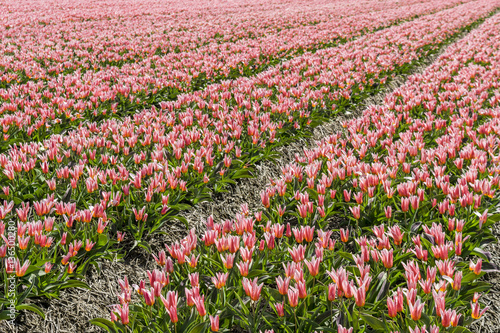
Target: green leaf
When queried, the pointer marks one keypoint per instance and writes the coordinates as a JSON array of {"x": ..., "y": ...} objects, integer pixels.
[
  {"x": 471, "y": 276},
  {"x": 181, "y": 219},
  {"x": 242, "y": 173},
  {"x": 326, "y": 329},
  {"x": 384, "y": 289},
  {"x": 479, "y": 287},
  {"x": 201, "y": 327},
  {"x": 495, "y": 218},
  {"x": 461, "y": 329},
  {"x": 481, "y": 253},
  {"x": 374, "y": 323},
  {"x": 144, "y": 245},
  {"x": 32, "y": 308},
  {"x": 103, "y": 239},
  {"x": 105, "y": 324},
  {"x": 345, "y": 255},
  {"x": 255, "y": 272},
  {"x": 5, "y": 315},
  {"x": 74, "y": 284},
  {"x": 180, "y": 207},
  {"x": 29, "y": 197}
]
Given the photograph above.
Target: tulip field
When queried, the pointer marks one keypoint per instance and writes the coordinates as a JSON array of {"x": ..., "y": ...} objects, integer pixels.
[{"x": 120, "y": 118}]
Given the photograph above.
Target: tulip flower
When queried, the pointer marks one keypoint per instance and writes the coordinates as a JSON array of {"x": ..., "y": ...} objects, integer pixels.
[
  {"x": 388, "y": 212},
  {"x": 199, "y": 302},
  {"x": 342, "y": 329},
  {"x": 149, "y": 296},
  {"x": 297, "y": 253},
  {"x": 360, "y": 296},
  {"x": 298, "y": 234},
  {"x": 194, "y": 279},
  {"x": 191, "y": 295},
  {"x": 457, "y": 281},
  {"x": 454, "y": 319},
  {"x": 387, "y": 258},
  {"x": 392, "y": 308},
  {"x": 161, "y": 259},
  {"x": 283, "y": 285},
  {"x": 21, "y": 270},
  {"x": 313, "y": 266},
  {"x": 252, "y": 289},
  {"x": 220, "y": 280},
  {"x": 293, "y": 296},
  {"x": 228, "y": 261},
  {"x": 332, "y": 291},
  {"x": 123, "y": 312},
  {"x": 416, "y": 310},
  {"x": 476, "y": 310},
  {"x": 214, "y": 323},
  {"x": 89, "y": 245},
  {"x": 476, "y": 268},
  {"x": 356, "y": 211},
  {"x": 446, "y": 317},
  {"x": 280, "y": 309},
  {"x": 172, "y": 313},
  {"x": 308, "y": 233},
  {"x": 396, "y": 234},
  {"x": 48, "y": 267},
  {"x": 243, "y": 267},
  {"x": 344, "y": 235},
  {"x": 301, "y": 287},
  {"x": 193, "y": 261},
  {"x": 71, "y": 267},
  {"x": 23, "y": 242}
]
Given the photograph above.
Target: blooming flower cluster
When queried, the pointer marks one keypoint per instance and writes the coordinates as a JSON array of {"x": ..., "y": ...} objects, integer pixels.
[{"x": 380, "y": 227}]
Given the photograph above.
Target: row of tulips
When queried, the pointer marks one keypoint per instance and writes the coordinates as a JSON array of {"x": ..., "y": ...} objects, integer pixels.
[
  {"x": 414, "y": 183},
  {"x": 74, "y": 195},
  {"x": 189, "y": 25},
  {"x": 58, "y": 75}
]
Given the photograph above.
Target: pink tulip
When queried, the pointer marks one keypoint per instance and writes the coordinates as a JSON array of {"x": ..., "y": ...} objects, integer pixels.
[
  {"x": 252, "y": 289},
  {"x": 416, "y": 310},
  {"x": 313, "y": 266},
  {"x": 476, "y": 310},
  {"x": 214, "y": 323},
  {"x": 293, "y": 296}
]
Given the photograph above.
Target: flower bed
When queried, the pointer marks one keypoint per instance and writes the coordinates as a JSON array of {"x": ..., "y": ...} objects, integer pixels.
[
  {"x": 414, "y": 181},
  {"x": 75, "y": 195}
]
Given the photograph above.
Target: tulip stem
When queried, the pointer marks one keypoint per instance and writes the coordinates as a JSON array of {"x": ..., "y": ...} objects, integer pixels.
[
  {"x": 295, "y": 315},
  {"x": 330, "y": 306},
  {"x": 253, "y": 315},
  {"x": 314, "y": 283}
]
